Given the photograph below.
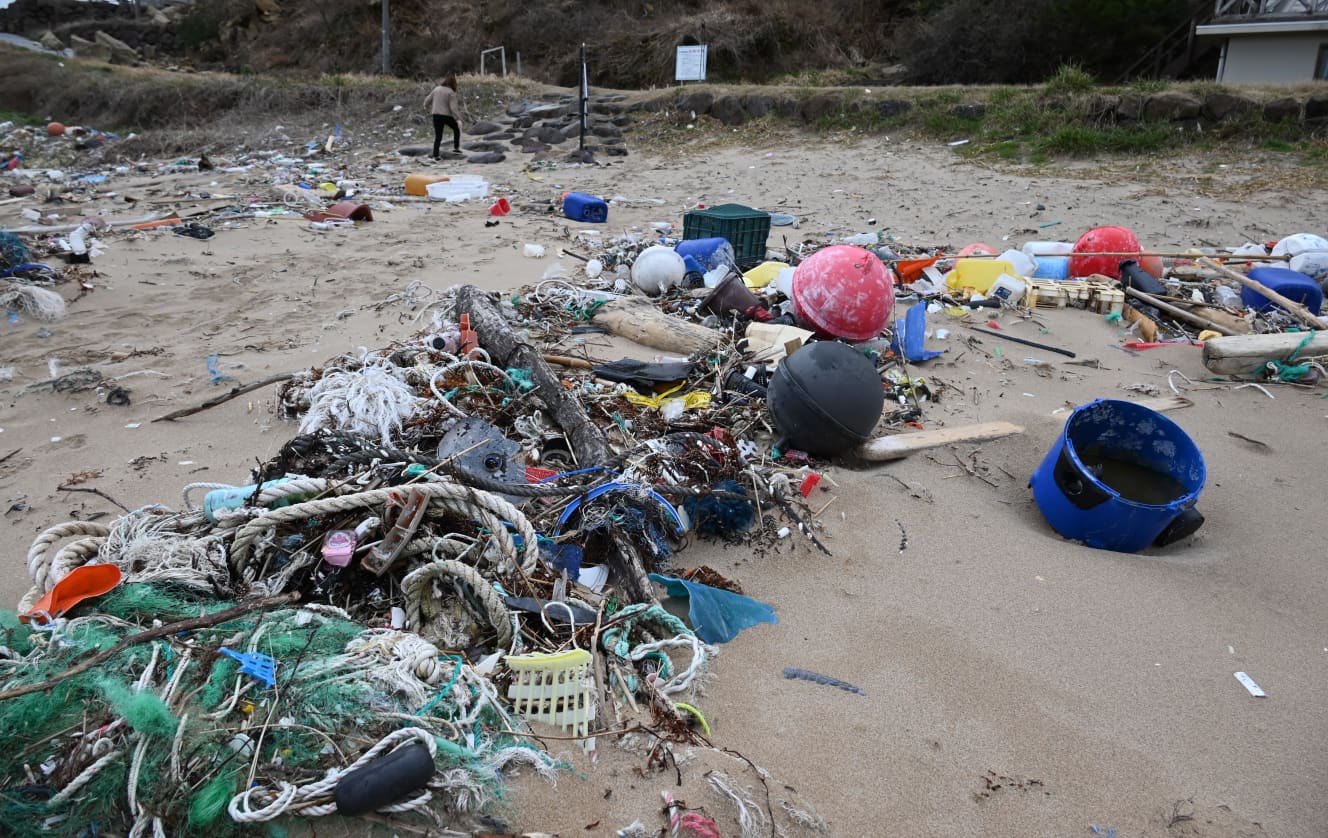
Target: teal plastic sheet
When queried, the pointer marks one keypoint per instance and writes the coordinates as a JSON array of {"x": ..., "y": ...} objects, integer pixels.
[{"x": 717, "y": 615}]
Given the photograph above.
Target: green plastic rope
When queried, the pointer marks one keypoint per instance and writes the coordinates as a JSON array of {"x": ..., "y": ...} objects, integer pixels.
[
  {"x": 615, "y": 640},
  {"x": 1289, "y": 371},
  {"x": 456, "y": 675}
]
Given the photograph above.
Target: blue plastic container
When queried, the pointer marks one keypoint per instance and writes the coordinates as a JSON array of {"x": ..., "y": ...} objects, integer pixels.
[
  {"x": 579, "y": 206},
  {"x": 710, "y": 253},
  {"x": 1052, "y": 267},
  {"x": 1293, "y": 285},
  {"x": 1118, "y": 476}
]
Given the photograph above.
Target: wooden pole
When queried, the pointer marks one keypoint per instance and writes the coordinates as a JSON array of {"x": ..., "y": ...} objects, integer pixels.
[
  {"x": 1295, "y": 309},
  {"x": 387, "y": 38},
  {"x": 1179, "y": 312},
  {"x": 1127, "y": 255}
]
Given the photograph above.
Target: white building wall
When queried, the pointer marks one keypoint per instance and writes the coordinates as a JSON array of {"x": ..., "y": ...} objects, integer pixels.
[{"x": 1272, "y": 58}]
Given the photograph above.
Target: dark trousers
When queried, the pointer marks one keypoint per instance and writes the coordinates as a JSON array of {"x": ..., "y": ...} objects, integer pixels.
[{"x": 439, "y": 123}]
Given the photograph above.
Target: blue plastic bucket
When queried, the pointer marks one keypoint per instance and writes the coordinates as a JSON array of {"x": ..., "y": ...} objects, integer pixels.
[
  {"x": 711, "y": 253},
  {"x": 1118, "y": 476},
  {"x": 1295, "y": 286}
]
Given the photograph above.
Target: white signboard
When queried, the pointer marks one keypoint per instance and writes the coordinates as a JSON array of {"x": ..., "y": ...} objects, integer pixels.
[{"x": 691, "y": 65}]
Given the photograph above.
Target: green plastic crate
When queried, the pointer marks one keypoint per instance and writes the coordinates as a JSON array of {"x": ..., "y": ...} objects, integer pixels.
[{"x": 745, "y": 228}]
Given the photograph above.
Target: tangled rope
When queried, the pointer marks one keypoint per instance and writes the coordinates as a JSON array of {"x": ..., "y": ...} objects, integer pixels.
[
  {"x": 39, "y": 554},
  {"x": 314, "y": 799},
  {"x": 425, "y": 589},
  {"x": 491, "y": 510}
]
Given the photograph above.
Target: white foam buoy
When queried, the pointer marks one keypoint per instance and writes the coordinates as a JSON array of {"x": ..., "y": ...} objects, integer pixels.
[{"x": 658, "y": 269}]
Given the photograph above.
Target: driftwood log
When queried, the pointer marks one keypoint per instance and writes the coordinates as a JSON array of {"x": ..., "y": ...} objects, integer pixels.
[
  {"x": 640, "y": 322},
  {"x": 508, "y": 349},
  {"x": 1248, "y": 355}
]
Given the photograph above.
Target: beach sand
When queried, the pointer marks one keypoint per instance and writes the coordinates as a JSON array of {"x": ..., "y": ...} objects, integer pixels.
[{"x": 1013, "y": 682}]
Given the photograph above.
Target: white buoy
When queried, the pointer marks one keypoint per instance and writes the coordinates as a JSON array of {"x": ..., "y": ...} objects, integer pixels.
[{"x": 658, "y": 269}]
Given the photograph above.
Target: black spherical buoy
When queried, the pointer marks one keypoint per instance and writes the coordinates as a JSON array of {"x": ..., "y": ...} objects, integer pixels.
[{"x": 825, "y": 398}]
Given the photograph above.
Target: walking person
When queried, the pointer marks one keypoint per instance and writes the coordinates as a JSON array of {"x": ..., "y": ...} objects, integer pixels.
[{"x": 444, "y": 104}]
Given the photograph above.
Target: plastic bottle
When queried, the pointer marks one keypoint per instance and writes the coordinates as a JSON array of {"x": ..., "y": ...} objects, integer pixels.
[
  {"x": 1227, "y": 297},
  {"x": 234, "y": 498},
  {"x": 862, "y": 239}
]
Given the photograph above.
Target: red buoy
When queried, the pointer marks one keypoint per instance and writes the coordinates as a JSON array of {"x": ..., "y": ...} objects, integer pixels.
[
  {"x": 1103, "y": 240},
  {"x": 54, "y": 129},
  {"x": 843, "y": 292}
]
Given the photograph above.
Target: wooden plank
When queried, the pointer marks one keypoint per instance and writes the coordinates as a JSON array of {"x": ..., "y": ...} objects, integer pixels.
[
  {"x": 1247, "y": 354},
  {"x": 898, "y": 446}
]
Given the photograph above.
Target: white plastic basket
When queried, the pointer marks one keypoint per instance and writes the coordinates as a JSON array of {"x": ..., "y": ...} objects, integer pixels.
[{"x": 459, "y": 188}]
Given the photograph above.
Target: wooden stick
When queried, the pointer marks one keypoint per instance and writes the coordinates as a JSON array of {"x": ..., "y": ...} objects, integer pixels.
[
  {"x": 1179, "y": 312},
  {"x": 1135, "y": 255},
  {"x": 98, "y": 492},
  {"x": 205, "y": 621},
  {"x": 1295, "y": 309},
  {"x": 224, "y": 397},
  {"x": 898, "y": 446},
  {"x": 564, "y": 361}
]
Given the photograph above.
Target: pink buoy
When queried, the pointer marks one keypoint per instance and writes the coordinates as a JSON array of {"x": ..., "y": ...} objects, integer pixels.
[
  {"x": 975, "y": 249},
  {"x": 843, "y": 292},
  {"x": 1103, "y": 240}
]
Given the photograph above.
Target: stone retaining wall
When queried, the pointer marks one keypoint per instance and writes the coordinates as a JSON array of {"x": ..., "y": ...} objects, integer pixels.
[{"x": 1100, "y": 108}]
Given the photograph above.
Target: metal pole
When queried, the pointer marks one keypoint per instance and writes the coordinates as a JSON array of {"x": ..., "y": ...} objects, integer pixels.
[
  {"x": 503, "y": 54},
  {"x": 585, "y": 98},
  {"x": 387, "y": 38},
  {"x": 518, "y": 63}
]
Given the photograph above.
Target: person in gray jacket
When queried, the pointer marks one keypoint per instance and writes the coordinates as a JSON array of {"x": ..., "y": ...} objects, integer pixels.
[{"x": 443, "y": 103}]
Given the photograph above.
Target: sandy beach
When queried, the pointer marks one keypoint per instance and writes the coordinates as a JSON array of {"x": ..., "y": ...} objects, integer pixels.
[{"x": 1012, "y": 682}]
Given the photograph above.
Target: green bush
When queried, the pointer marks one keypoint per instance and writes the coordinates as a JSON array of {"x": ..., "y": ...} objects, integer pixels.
[{"x": 1070, "y": 78}]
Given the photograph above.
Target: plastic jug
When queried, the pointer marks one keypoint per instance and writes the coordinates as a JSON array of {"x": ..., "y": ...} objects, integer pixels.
[
  {"x": 978, "y": 274},
  {"x": 418, "y": 183},
  {"x": 1035, "y": 249},
  {"x": 1022, "y": 262},
  {"x": 1008, "y": 289},
  {"x": 579, "y": 206}
]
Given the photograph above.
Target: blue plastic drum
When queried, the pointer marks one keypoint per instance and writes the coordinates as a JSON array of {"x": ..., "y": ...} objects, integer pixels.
[{"x": 1120, "y": 477}]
